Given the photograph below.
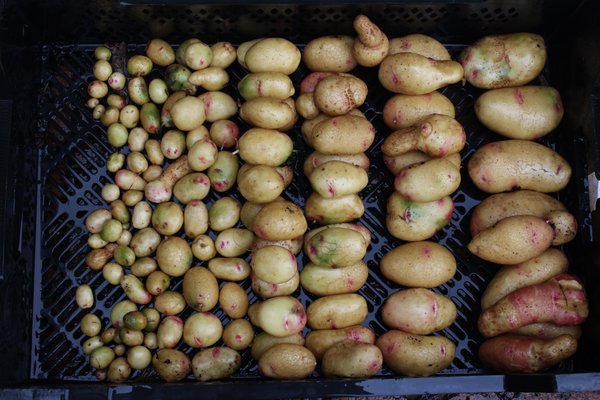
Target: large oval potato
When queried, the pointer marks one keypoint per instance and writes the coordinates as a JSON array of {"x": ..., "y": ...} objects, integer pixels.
[
  {"x": 420, "y": 44},
  {"x": 335, "y": 246},
  {"x": 418, "y": 311},
  {"x": 332, "y": 53},
  {"x": 350, "y": 359},
  {"x": 414, "y": 74},
  {"x": 265, "y": 146},
  {"x": 194, "y": 186},
  {"x": 273, "y": 55},
  {"x": 402, "y": 110},
  {"x": 279, "y": 220},
  {"x": 332, "y": 211},
  {"x": 338, "y": 178},
  {"x": 287, "y": 361},
  {"x": 508, "y": 60},
  {"x": 513, "y": 240},
  {"x": 263, "y": 342},
  {"x": 200, "y": 289},
  {"x": 518, "y": 164},
  {"x": 428, "y": 181},
  {"x": 215, "y": 363},
  {"x": 339, "y": 94},
  {"x": 337, "y": 311},
  {"x": 527, "y": 112},
  {"x": 269, "y": 112},
  {"x": 346, "y": 134},
  {"x": 415, "y": 355},
  {"x": 421, "y": 264},
  {"x": 316, "y": 158},
  {"x": 319, "y": 341},
  {"x": 266, "y": 84},
  {"x": 274, "y": 264},
  {"x": 322, "y": 280},
  {"x": 412, "y": 221},
  {"x": 260, "y": 183}
]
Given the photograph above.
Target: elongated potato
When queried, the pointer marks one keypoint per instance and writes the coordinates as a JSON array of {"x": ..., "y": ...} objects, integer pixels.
[
  {"x": 265, "y": 146},
  {"x": 337, "y": 311},
  {"x": 422, "y": 264},
  {"x": 269, "y": 113},
  {"x": 266, "y": 84},
  {"x": 339, "y": 94},
  {"x": 229, "y": 268},
  {"x": 200, "y": 289},
  {"x": 397, "y": 163},
  {"x": 324, "y": 281},
  {"x": 518, "y": 164},
  {"x": 279, "y": 220},
  {"x": 402, "y": 110},
  {"x": 320, "y": 340},
  {"x": 428, "y": 181},
  {"x": 415, "y": 355},
  {"x": 508, "y": 60},
  {"x": 547, "y": 330},
  {"x": 316, "y": 158},
  {"x": 412, "y": 221},
  {"x": 335, "y": 246},
  {"x": 272, "y": 55},
  {"x": 420, "y": 44},
  {"x": 346, "y": 134},
  {"x": 332, "y": 53},
  {"x": 338, "y": 178},
  {"x": 332, "y": 211},
  {"x": 287, "y": 361},
  {"x": 414, "y": 74},
  {"x": 351, "y": 359}
]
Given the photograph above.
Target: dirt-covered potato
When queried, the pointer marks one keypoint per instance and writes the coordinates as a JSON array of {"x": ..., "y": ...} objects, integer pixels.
[
  {"x": 420, "y": 44},
  {"x": 266, "y": 84},
  {"x": 174, "y": 256},
  {"x": 200, "y": 289},
  {"x": 564, "y": 225},
  {"x": 415, "y": 355},
  {"x": 422, "y": 264},
  {"x": 263, "y": 341},
  {"x": 350, "y": 359},
  {"x": 279, "y": 220},
  {"x": 332, "y": 211},
  {"x": 318, "y": 341},
  {"x": 337, "y": 178},
  {"x": 287, "y": 361},
  {"x": 266, "y": 290},
  {"x": 335, "y": 246},
  {"x": 272, "y": 55},
  {"x": 229, "y": 268},
  {"x": 322, "y": 280},
  {"x": 428, "y": 181},
  {"x": 260, "y": 183},
  {"x": 202, "y": 329},
  {"x": 316, "y": 158},
  {"x": 339, "y": 94},
  {"x": 337, "y": 311},
  {"x": 265, "y": 146},
  {"x": 402, "y": 110},
  {"x": 171, "y": 365},
  {"x": 215, "y": 363},
  {"x": 507, "y": 60},
  {"x": 332, "y": 53},
  {"x": 280, "y": 316},
  {"x": 341, "y": 135},
  {"x": 269, "y": 112}
]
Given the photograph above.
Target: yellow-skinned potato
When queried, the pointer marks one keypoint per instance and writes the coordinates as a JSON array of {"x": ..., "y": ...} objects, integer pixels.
[
  {"x": 265, "y": 146},
  {"x": 234, "y": 242},
  {"x": 530, "y": 272},
  {"x": 345, "y": 134},
  {"x": 335, "y": 246},
  {"x": 338, "y": 178},
  {"x": 402, "y": 110},
  {"x": 320, "y": 340},
  {"x": 322, "y": 280},
  {"x": 266, "y": 84},
  {"x": 414, "y": 74},
  {"x": 215, "y": 363},
  {"x": 279, "y": 316},
  {"x": 428, "y": 181},
  {"x": 306, "y": 107},
  {"x": 243, "y": 49},
  {"x": 419, "y": 311},
  {"x": 263, "y": 342},
  {"x": 279, "y": 220},
  {"x": 415, "y": 355},
  {"x": 200, "y": 289},
  {"x": 420, "y": 44},
  {"x": 171, "y": 365},
  {"x": 233, "y": 300},
  {"x": 287, "y": 361},
  {"x": 194, "y": 186},
  {"x": 188, "y": 113},
  {"x": 332, "y": 53},
  {"x": 337, "y": 311},
  {"x": 527, "y": 112},
  {"x": 315, "y": 159},
  {"x": 564, "y": 225},
  {"x": 269, "y": 112},
  {"x": 412, "y": 221},
  {"x": 421, "y": 264},
  {"x": 398, "y": 163},
  {"x": 350, "y": 359},
  {"x": 293, "y": 245},
  {"x": 250, "y": 210},
  {"x": 218, "y": 105},
  {"x": 260, "y": 183},
  {"x": 332, "y": 211},
  {"x": 513, "y": 240},
  {"x": 371, "y": 45},
  {"x": 308, "y": 124},
  {"x": 339, "y": 94},
  {"x": 511, "y": 164},
  {"x": 266, "y": 290},
  {"x": 274, "y": 264},
  {"x": 508, "y": 60},
  {"x": 272, "y": 55},
  {"x": 229, "y": 268},
  {"x": 520, "y": 202},
  {"x": 223, "y": 54},
  {"x": 211, "y": 78},
  {"x": 364, "y": 232}
]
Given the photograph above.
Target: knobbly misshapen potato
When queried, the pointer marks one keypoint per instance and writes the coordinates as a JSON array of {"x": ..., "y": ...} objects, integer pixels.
[
  {"x": 420, "y": 44},
  {"x": 346, "y": 134},
  {"x": 265, "y": 146},
  {"x": 324, "y": 281},
  {"x": 398, "y": 163},
  {"x": 272, "y": 55},
  {"x": 332, "y": 53},
  {"x": 402, "y": 110},
  {"x": 337, "y": 311},
  {"x": 428, "y": 181},
  {"x": 371, "y": 45},
  {"x": 339, "y": 94}
]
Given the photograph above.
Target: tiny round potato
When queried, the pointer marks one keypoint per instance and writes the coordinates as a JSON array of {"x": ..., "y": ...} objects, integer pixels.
[
  {"x": 202, "y": 330},
  {"x": 169, "y": 302},
  {"x": 420, "y": 44},
  {"x": 234, "y": 242},
  {"x": 421, "y": 264},
  {"x": 419, "y": 311},
  {"x": 91, "y": 325},
  {"x": 215, "y": 363},
  {"x": 331, "y": 53},
  {"x": 265, "y": 146},
  {"x": 194, "y": 186},
  {"x": 287, "y": 361},
  {"x": 266, "y": 290},
  {"x": 350, "y": 359},
  {"x": 101, "y": 357},
  {"x": 269, "y": 113},
  {"x": 260, "y": 183},
  {"x": 224, "y": 133},
  {"x": 272, "y": 55},
  {"x": 167, "y": 218},
  {"x": 337, "y": 311},
  {"x": 325, "y": 281},
  {"x": 358, "y": 134},
  {"x": 195, "y": 219},
  {"x": 171, "y": 365},
  {"x": 139, "y": 357},
  {"x": 279, "y": 220},
  {"x": 325, "y": 211},
  {"x": 428, "y": 181},
  {"x": 233, "y": 300},
  {"x": 337, "y": 178},
  {"x": 117, "y": 81},
  {"x": 224, "y": 214},
  {"x": 203, "y": 248},
  {"x": 169, "y": 332},
  {"x": 266, "y": 84},
  {"x": 174, "y": 256},
  {"x": 335, "y": 246},
  {"x": 229, "y": 268},
  {"x": 413, "y": 221},
  {"x": 274, "y": 264},
  {"x": 202, "y": 155},
  {"x": 91, "y": 344},
  {"x": 97, "y": 89},
  {"x": 157, "y": 282},
  {"x": 402, "y": 111},
  {"x": 339, "y": 94},
  {"x": 188, "y": 113},
  {"x": 223, "y": 54},
  {"x": 200, "y": 289},
  {"x": 280, "y": 316},
  {"x": 238, "y": 334},
  {"x": 223, "y": 172},
  {"x": 319, "y": 341},
  {"x": 84, "y": 296}
]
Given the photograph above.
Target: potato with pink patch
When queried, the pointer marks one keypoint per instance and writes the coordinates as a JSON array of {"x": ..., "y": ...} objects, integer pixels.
[
  {"x": 341, "y": 135},
  {"x": 169, "y": 333},
  {"x": 233, "y": 300},
  {"x": 229, "y": 268},
  {"x": 339, "y": 94},
  {"x": 161, "y": 189},
  {"x": 428, "y": 181},
  {"x": 218, "y": 105},
  {"x": 402, "y": 110},
  {"x": 238, "y": 334},
  {"x": 331, "y": 211},
  {"x": 337, "y": 178},
  {"x": 202, "y": 329},
  {"x": 215, "y": 363},
  {"x": 223, "y": 172},
  {"x": 194, "y": 186},
  {"x": 322, "y": 280},
  {"x": 279, "y": 316}
]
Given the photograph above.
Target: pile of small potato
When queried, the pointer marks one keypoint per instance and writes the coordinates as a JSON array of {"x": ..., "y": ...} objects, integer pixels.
[{"x": 532, "y": 308}]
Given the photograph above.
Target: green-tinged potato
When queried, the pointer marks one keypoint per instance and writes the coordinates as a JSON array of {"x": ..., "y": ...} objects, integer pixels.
[
  {"x": 513, "y": 240},
  {"x": 165, "y": 113},
  {"x": 266, "y": 290},
  {"x": 200, "y": 289},
  {"x": 224, "y": 214},
  {"x": 564, "y": 225},
  {"x": 160, "y": 190},
  {"x": 211, "y": 78},
  {"x": 174, "y": 256},
  {"x": 398, "y": 163},
  {"x": 279, "y": 220},
  {"x": 335, "y": 247},
  {"x": 319, "y": 341},
  {"x": 170, "y": 332},
  {"x": 371, "y": 45},
  {"x": 218, "y": 105},
  {"x": 202, "y": 329},
  {"x": 150, "y": 117},
  {"x": 115, "y": 162},
  {"x": 293, "y": 245},
  {"x": 306, "y": 107},
  {"x": 135, "y": 289},
  {"x": 197, "y": 55},
  {"x": 202, "y": 155},
  {"x": 95, "y": 221},
  {"x": 265, "y": 146},
  {"x": 322, "y": 280},
  {"x": 169, "y": 303},
  {"x": 157, "y": 282},
  {"x": 203, "y": 247},
  {"x": 171, "y": 365},
  {"x": 91, "y": 344},
  {"x": 223, "y": 172},
  {"x": 520, "y": 202},
  {"x": 215, "y": 363},
  {"x": 107, "y": 336},
  {"x": 117, "y": 135},
  {"x": 269, "y": 112},
  {"x": 527, "y": 112},
  {"x": 337, "y": 178},
  {"x": 223, "y": 54},
  {"x": 145, "y": 242},
  {"x": 101, "y": 357},
  {"x": 119, "y": 310},
  {"x": 243, "y": 49},
  {"x": 139, "y": 357},
  {"x": 412, "y": 221},
  {"x": 224, "y": 133},
  {"x": 272, "y": 55},
  {"x": 90, "y": 325},
  {"x": 97, "y": 258},
  {"x": 345, "y": 134},
  {"x": 418, "y": 311},
  {"x": 402, "y": 110},
  {"x": 138, "y": 91},
  {"x": 422, "y": 264},
  {"x": 508, "y": 60},
  {"x": 266, "y": 84},
  {"x": 196, "y": 135},
  {"x": 188, "y": 113},
  {"x": 173, "y": 144},
  {"x": 260, "y": 183},
  {"x": 142, "y": 215},
  {"x": 233, "y": 300},
  {"x": 350, "y": 359},
  {"x": 274, "y": 264},
  {"x": 195, "y": 219},
  {"x": 287, "y": 361},
  {"x": 415, "y": 355},
  {"x": 129, "y": 116},
  {"x": 194, "y": 186},
  {"x": 339, "y": 94},
  {"x": 280, "y": 316},
  {"x": 428, "y": 181},
  {"x": 180, "y": 53},
  {"x": 229, "y": 269},
  {"x": 84, "y": 296},
  {"x": 158, "y": 91},
  {"x": 153, "y": 318},
  {"x": 124, "y": 256},
  {"x": 534, "y": 271},
  {"x": 238, "y": 334},
  {"x": 234, "y": 242},
  {"x": 332, "y": 53},
  {"x": 263, "y": 341},
  {"x": 326, "y": 211},
  {"x": 420, "y": 44},
  {"x": 414, "y": 74},
  {"x": 337, "y": 311},
  {"x": 167, "y": 218},
  {"x": 547, "y": 330}
]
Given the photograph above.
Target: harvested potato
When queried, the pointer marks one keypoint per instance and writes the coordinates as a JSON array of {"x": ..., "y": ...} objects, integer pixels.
[
  {"x": 243, "y": 49},
  {"x": 160, "y": 190},
  {"x": 233, "y": 300},
  {"x": 265, "y": 146},
  {"x": 167, "y": 218},
  {"x": 203, "y": 247},
  {"x": 350, "y": 359},
  {"x": 371, "y": 45},
  {"x": 547, "y": 330},
  {"x": 280, "y": 316},
  {"x": 322, "y": 280},
  {"x": 234, "y": 242},
  {"x": 223, "y": 172},
  {"x": 342, "y": 135},
  {"x": 335, "y": 246},
  {"x": 230, "y": 268},
  {"x": 331, "y": 53},
  {"x": 263, "y": 341},
  {"x": 202, "y": 155},
  {"x": 339, "y": 94},
  {"x": 269, "y": 112},
  {"x": 272, "y": 55},
  {"x": 319, "y": 341},
  {"x": 224, "y": 133},
  {"x": 266, "y": 84},
  {"x": 428, "y": 181},
  {"x": 202, "y": 329},
  {"x": 274, "y": 264},
  {"x": 287, "y": 361},
  {"x": 200, "y": 289},
  {"x": 215, "y": 363},
  {"x": 337, "y": 178},
  {"x": 223, "y": 54},
  {"x": 316, "y": 158},
  {"x": 260, "y": 183},
  {"x": 397, "y": 163},
  {"x": 337, "y": 311},
  {"x": 266, "y": 290},
  {"x": 332, "y": 211},
  {"x": 195, "y": 219},
  {"x": 174, "y": 256},
  {"x": 169, "y": 303},
  {"x": 218, "y": 105},
  {"x": 306, "y": 107},
  {"x": 364, "y": 232},
  {"x": 169, "y": 333},
  {"x": 160, "y": 52},
  {"x": 402, "y": 110},
  {"x": 238, "y": 334},
  {"x": 293, "y": 245},
  {"x": 420, "y": 44},
  {"x": 210, "y": 78},
  {"x": 224, "y": 213},
  {"x": 564, "y": 225},
  {"x": 171, "y": 365},
  {"x": 279, "y": 220},
  {"x": 188, "y": 113}
]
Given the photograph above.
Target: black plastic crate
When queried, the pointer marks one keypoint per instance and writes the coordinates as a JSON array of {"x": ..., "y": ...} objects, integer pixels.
[{"x": 53, "y": 172}]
